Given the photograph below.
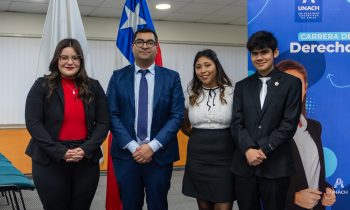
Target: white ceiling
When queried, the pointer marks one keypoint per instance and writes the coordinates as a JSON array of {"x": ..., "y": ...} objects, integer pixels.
[{"x": 231, "y": 12}]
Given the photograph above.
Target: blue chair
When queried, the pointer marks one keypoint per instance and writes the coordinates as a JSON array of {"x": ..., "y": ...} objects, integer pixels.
[
  {"x": 5, "y": 163},
  {"x": 13, "y": 180},
  {"x": 18, "y": 181},
  {"x": 9, "y": 170},
  {"x": 2, "y": 157}
]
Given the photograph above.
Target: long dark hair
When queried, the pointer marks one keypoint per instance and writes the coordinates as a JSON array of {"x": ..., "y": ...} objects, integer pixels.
[
  {"x": 81, "y": 79},
  {"x": 194, "y": 88},
  {"x": 294, "y": 65}
]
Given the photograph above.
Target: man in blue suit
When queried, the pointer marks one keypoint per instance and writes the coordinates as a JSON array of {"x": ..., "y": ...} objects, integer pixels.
[{"x": 146, "y": 105}]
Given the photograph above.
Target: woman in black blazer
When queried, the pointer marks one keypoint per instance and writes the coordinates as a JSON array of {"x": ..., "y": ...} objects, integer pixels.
[
  {"x": 67, "y": 118},
  {"x": 307, "y": 190}
]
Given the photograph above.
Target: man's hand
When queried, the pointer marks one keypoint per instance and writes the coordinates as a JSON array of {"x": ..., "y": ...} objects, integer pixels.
[
  {"x": 307, "y": 198},
  {"x": 328, "y": 197},
  {"x": 255, "y": 156},
  {"x": 143, "y": 154}
]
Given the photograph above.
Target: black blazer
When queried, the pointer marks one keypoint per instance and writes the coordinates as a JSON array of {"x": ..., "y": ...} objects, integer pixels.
[
  {"x": 298, "y": 180},
  {"x": 270, "y": 128},
  {"x": 44, "y": 119}
]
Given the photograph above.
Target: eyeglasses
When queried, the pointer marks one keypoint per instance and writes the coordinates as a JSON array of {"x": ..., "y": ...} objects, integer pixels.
[
  {"x": 149, "y": 43},
  {"x": 75, "y": 58}
]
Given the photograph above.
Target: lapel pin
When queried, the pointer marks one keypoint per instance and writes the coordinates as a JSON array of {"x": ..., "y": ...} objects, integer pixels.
[{"x": 277, "y": 83}]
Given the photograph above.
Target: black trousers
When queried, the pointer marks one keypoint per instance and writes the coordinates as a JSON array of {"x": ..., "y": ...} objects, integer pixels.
[
  {"x": 66, "y": 186},
  {"x": 253, "y": 191}
]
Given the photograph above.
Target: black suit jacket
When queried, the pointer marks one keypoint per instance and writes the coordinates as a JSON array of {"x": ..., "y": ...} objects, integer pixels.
[
  {"x": 270, "y": 128},
  {"x": 44, "y": 119},
  {"x": 298, "y": 180}
]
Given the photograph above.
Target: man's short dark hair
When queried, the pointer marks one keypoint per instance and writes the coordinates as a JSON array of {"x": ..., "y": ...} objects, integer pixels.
[
  {"x": 146, "y": 30},
  {"x": 262, "y": 40}
]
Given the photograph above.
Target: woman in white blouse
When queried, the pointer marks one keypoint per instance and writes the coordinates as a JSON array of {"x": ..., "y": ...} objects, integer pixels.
[{"x": 207, "y": 120}]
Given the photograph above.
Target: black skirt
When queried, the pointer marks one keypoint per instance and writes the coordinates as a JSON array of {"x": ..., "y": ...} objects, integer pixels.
[{"x": 207, "y": 172}]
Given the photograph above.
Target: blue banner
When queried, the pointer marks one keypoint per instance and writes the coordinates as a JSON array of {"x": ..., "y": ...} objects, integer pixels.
[{"x": 316, "y": 33}]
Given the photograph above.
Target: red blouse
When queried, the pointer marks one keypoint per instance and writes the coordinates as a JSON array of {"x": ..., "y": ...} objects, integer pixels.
[{"x": 74, "y": 122}]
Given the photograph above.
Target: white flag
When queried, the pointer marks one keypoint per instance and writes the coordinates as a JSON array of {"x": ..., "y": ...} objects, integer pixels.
[{"x": 63, "y": 20}]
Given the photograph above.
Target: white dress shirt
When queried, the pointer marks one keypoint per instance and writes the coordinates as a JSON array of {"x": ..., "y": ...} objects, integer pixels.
[
  {"x": 154, "y": 144},
  {"x": 308, "y": 153}
]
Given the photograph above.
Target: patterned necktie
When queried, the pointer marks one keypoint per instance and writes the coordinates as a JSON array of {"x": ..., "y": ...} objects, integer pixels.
[
  {"x": 142, "y": 107},
  {"x": 263, "y": 90}
]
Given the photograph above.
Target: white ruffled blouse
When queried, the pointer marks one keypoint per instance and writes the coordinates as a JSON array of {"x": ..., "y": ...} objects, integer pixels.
[{"x": 210, "y": 112}]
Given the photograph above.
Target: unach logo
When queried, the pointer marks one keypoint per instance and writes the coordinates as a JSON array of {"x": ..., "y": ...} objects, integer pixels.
[
  {"x": 312, "y": 1},
  {"x": 308, "y": 11},
  {"x": 339, "y": 182},
  {"x": 339, "y": 187}
]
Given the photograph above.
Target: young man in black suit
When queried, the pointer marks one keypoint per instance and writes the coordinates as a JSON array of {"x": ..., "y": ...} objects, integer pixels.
[{"x": 266, "y": 110}]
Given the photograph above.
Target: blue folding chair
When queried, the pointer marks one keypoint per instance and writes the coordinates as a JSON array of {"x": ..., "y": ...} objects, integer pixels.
[{"x": 13, "y": 180}]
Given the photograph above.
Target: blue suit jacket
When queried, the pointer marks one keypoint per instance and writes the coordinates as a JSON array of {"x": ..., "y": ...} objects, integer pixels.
[{"x": 168, "y": 109}]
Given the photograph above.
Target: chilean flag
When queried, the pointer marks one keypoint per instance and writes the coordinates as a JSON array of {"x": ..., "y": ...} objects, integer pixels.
[{"x": 135, "y": 16}]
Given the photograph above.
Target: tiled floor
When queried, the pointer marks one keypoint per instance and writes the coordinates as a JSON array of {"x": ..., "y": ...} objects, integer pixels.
[{"x": 176, "y": 200}]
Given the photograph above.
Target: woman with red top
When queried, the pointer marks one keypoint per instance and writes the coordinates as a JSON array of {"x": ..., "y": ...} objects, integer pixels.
[{"x": 66, "y": 115}]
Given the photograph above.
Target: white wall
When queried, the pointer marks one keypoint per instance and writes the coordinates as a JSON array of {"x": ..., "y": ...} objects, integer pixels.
[{"x": 20, "y": 40}]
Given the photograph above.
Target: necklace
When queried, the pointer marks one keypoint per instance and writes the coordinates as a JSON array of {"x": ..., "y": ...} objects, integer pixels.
[{"x": 73, "y": 89}]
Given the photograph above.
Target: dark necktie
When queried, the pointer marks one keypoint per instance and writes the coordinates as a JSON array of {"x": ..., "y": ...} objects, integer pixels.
[{"x": 142, "y": 107}]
